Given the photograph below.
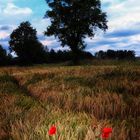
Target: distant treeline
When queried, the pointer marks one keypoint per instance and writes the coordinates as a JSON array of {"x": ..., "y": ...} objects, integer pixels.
[
  {"x": 119, "y": 54},
  {"x": 61, "y": 56},
  {"x": 53, "y": 56}
]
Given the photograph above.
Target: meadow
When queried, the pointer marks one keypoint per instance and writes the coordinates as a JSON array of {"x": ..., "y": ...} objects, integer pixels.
[{"x": 78, "y": 100}]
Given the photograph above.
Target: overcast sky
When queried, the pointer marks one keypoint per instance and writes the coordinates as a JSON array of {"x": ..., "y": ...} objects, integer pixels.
[{"x": 123, "y": 22}]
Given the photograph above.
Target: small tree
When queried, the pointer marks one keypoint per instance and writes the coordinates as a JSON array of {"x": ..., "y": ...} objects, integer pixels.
[
  {"x": 2, "y": 52},
  {"x": 24, "y": 42},
  {"x": 3, "y": 56},
  {"x": 73, "y": 20}
]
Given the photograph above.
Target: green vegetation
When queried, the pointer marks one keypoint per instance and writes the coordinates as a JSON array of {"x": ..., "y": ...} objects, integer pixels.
[
  {"x": 79, "y": 100},
  {"x": 73, "y": 21}
]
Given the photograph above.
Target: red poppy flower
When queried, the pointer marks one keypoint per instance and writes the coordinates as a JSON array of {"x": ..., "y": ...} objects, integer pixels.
[
  {"x": 52, "y": 130},
  {"x": 106, "y": 132},
  {"x": 104, "y": 135}
]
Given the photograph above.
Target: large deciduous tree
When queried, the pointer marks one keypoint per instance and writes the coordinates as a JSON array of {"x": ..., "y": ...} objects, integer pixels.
[
  {"x": 74, "y": 20},
  {"x": 24, "y": 42}
]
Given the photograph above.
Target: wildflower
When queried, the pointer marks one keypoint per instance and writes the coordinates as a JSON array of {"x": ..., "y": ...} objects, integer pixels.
[
  {"x": 105, "y": 135},
  {"x": 52, "y": 130},
  {"x": 106, "y": 132}
]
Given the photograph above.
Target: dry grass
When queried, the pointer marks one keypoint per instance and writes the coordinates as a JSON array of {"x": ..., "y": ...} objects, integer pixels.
[{"x": 80, "y": 101}]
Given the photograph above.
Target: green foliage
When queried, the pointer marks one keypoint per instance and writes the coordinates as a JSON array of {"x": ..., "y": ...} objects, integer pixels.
[
  {"x": 73, "y": 20},
  {"x": 119, "y": 54},
  {"x": 80, "y": 81},
  {"x": 8, "y": 84},
  {"x": 2, "y": 52},
  {"x": 25, "y": 102},
  {"x": 4, "y": 58},
  {"x": 122, "y": 73},
  {"x": 24, "y": 42},
  {"x": 35, "y": 78}
]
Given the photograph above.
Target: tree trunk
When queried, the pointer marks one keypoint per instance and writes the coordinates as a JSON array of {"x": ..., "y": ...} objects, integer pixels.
[{"x": 75, "y": 52}]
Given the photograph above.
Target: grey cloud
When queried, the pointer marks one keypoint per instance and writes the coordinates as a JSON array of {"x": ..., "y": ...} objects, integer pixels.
[
  {"x": 5, "y": 28},
  {"x": 123, "y": 33}
]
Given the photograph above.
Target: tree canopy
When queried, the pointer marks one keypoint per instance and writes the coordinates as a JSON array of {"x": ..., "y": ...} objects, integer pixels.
[
  {"x": 24, "y": 42},
  {"x": 74, "y": 20}
]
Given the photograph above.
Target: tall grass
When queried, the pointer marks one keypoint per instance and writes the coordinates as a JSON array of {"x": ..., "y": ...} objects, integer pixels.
[{"x": 80, "y": 101}]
